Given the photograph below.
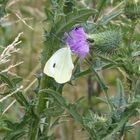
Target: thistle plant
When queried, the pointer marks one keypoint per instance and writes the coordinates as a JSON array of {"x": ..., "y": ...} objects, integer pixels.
[
  {"x": 81, "y": 40},
  {"x": 105, "y": 42},
  {"x": 132, "y": 10}
]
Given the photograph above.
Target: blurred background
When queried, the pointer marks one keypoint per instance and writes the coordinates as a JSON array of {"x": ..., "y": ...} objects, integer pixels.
[{"x": 28, "y": 16}]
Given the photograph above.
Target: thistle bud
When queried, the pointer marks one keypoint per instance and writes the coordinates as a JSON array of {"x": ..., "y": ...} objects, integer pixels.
[
  {"x": 132, "y": 10},
  {"x": 105, "y": 42}
]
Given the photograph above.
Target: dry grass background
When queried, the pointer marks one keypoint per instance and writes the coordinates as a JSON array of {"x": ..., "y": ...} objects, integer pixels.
[{"x": 27, "y": 16}]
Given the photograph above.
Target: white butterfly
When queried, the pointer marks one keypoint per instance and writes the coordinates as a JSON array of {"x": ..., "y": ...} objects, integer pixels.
[{"x": 60, "y": 65}]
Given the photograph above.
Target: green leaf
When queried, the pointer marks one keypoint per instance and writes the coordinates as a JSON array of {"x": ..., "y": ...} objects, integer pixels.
[
  {"x": 1, "y": 107},
  {"x": 15, "y": 135},
  {"x": 5, "y": 78},
  {"x": 88, "y": 71},
  {"x": 75, "y": 17},
  {"x": 138, "y": 133},
  {"x": 105, "y": 20},
  {"x": 100, "y": 7},
  {"x": 12, "y": 86},
  {"x": 101, "y": 4},
  {"x": 17, "y": 80},
  {"x": 68, "y": 6},
  {"x": 56, "y": 95},
  {"x": 21, "y": 99},
  {"x": 3, "y": 124},
  {"x": 72, "y": 110},
  {"x": 119, "y": 99},
  {"x": 129, "y": 112},
  {"x": 120, "y": 93}
]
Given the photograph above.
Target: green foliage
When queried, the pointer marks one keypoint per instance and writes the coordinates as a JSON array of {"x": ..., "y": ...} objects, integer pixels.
[
  {"x": 114, "y": 52},
  {"x": 12, "y": 85},
  {"x": 138, "y": 133},
  {"x": 132, "y": 11},
  {"x": 60, "y": 26},
  {"x": 119, "y": 100},
  {"x": 2, "y": 7},
  {"x": 68, "y": 6}
]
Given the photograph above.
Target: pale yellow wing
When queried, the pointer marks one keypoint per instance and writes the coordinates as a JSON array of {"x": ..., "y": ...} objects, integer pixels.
[
  {"x": 64, "y": 67},
  {"x": 60, "y": 65},
  {"x": 50, "y": 64}
]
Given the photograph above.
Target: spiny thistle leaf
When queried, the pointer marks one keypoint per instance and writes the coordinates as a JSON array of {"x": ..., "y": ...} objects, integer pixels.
[
  {"x": 119, "y": 100},
  {"x": 105, "y": 42},
  {"x": 129, "y": 111},
  {"x": 68, "y": 6},
  {"x": 74, "y": 17},
  {"x": 120, "y": 93},
  {"x": 132, "y": 11}
]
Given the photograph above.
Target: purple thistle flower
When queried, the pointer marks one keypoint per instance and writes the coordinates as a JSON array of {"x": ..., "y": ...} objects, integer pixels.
[{"x": 77, "y": 42}]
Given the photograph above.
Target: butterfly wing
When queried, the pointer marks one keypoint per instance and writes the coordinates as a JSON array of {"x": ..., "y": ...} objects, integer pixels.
[
  {"x": 60, "y": 65},
  {"x": 50, "y": 64},
  {"x": 64, "y": 66}
]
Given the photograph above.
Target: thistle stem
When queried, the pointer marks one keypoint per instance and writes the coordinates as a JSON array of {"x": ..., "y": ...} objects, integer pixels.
[
  {"x": 103, "y": 86},
  {"x": 40, "y": 109}
]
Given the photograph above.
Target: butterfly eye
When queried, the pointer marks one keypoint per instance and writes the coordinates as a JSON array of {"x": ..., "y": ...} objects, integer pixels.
[{"x": 54, "y": 65}]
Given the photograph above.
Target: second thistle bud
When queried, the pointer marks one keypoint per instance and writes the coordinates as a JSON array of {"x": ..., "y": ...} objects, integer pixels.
[
  {"x": 105, "y": 42},
  {"x": 132, "y": 10}
]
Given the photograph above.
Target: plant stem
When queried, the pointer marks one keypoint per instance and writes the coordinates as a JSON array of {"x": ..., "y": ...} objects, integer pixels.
[
  {"x": 33, "y": 134},
  {"x": 102, "y": 84},
  {"x": 40, "y": 107}
]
